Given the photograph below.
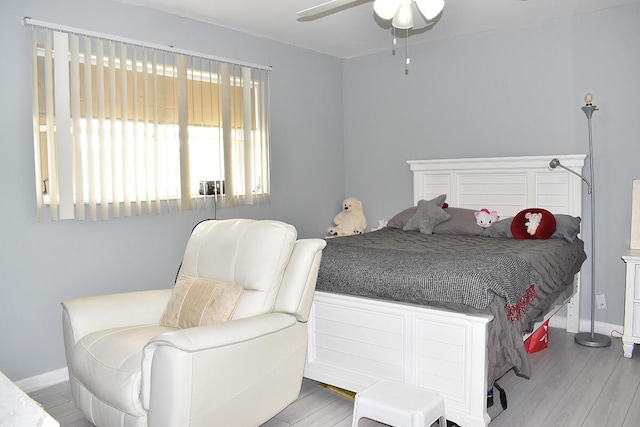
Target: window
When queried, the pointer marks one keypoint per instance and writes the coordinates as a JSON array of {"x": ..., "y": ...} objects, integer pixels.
[{"x": 124, "y": 129}]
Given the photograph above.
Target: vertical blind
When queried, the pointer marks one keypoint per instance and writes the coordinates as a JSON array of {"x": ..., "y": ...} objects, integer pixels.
[{"x": 122, "y": 128}]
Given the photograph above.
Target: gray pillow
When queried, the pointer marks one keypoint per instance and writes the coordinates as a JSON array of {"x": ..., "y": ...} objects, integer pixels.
[
  {"x": 567, "y": 228},
  {"x": 400, "y": 220},
  {"x": 428, "y": 215},
  {"x": 462, "y": 221},
  {"x": 501, "y": 228}
]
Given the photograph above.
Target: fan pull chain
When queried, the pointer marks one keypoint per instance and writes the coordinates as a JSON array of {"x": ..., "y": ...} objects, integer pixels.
[
  {"x": 393, "y": 47},
  {"x": 406, "y": 55}
]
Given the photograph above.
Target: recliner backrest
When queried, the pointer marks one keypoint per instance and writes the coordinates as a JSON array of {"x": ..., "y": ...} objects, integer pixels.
[
  {"x": 299, "y": 282},
  {"x": 248, "y": 252}
]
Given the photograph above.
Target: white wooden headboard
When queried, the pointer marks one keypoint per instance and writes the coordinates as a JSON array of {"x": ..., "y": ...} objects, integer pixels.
[
  {"x": 507, "y": 185},
  {"x": 504, "y": 184}
]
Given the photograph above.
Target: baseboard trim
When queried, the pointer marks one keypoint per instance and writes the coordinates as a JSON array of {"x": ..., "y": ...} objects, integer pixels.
[
  {"x": 47, "y": 379},
  {"x": 607, "y": 329}
]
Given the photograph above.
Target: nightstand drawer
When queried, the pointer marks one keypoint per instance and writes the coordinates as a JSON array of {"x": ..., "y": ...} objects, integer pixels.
[
  {"x": 631, "y": 334},
  {"x": 636, "y": 284},
  {"x": 635, "y": 328}
]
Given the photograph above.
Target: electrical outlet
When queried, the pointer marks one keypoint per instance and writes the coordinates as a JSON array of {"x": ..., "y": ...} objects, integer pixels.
[{"x": 601, "y": 302}]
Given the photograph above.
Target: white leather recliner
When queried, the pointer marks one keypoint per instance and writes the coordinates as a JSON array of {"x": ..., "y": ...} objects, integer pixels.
[{"x": 126, "y": 369}]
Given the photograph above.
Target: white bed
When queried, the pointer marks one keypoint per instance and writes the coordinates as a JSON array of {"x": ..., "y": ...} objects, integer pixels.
[{"x": 355, "y": 341}]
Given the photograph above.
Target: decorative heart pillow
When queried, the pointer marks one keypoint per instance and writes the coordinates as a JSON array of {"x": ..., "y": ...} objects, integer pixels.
[{"x": 533, "y": 223}]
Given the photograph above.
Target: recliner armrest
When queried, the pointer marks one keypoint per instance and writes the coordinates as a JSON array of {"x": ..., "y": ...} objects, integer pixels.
[
  {"x": 171, "y": 357},
  {"x": 82, "y": 316},
  {"x": 222, "y": 334}
]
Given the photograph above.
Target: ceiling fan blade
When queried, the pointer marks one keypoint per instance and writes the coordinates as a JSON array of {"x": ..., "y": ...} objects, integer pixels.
[{"x": 324, "y": 7}]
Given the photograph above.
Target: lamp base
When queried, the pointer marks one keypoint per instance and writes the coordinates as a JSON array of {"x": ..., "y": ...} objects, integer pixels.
[{"x": 592, "y": 340}]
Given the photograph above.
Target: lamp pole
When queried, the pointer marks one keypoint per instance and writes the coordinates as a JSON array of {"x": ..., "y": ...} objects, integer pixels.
[{"x": 591, "y": 339}]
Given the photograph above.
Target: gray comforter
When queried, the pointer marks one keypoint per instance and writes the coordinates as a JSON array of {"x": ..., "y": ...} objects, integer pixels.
[{"x": 472, "y": 274}]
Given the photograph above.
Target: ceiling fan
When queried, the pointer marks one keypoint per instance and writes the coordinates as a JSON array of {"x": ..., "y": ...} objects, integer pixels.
[{"x": 399, "y": 11}]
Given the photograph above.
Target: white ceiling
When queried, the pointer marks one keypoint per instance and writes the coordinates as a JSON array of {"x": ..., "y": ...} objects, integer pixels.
[{"x": 354, "y": 30}]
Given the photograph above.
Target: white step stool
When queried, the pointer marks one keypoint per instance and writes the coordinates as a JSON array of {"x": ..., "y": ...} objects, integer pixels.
[{"x": 400, "y": 405}]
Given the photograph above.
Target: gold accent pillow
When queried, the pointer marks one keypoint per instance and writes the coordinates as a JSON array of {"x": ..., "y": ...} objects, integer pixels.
[{"x": 196, "y": 302}]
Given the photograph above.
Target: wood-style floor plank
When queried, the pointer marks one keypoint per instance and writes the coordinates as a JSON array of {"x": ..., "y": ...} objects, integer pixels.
[
  {"x": 571, "y": 385},
  {"x": 606, "y": 412},
  {"x": 632, "y": 419},
  {"x": 574, "y": 404},
  {"x": 623, "y": 383}
]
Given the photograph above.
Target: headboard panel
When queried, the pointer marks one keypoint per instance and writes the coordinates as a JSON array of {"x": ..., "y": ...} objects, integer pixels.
[{"x": 504, "y": 184}]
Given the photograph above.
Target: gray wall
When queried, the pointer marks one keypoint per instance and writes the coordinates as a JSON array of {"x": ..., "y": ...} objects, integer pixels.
[
  {"x": 45, "y": 263},
  {"x": 510, "y": 92}
]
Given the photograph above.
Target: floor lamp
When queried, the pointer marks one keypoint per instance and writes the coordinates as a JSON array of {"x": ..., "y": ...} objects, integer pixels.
[{"x": 589, "y": 339}]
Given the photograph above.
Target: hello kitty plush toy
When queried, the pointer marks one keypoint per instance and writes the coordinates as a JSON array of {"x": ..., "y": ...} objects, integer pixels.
[
  {"x": 534, "y": 220},
  {"x": 484, "y": 217}
]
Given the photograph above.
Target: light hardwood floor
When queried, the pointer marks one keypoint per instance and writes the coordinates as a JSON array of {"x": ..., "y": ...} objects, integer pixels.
[{"x": 571, "y": 385}]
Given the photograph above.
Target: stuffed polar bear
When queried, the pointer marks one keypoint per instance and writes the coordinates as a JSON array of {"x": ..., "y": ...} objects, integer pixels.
[{"x": 350, "y": 220}]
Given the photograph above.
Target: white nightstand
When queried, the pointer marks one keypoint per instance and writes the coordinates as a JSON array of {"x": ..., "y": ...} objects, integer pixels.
[{"x": 631, "y": 334}]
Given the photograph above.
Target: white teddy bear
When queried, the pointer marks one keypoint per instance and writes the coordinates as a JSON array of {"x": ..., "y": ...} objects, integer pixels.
[{"x": 350, "y": 220}]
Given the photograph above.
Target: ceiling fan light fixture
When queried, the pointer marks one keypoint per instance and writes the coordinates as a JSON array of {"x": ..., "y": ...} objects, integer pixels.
[
  {"x": 430, "y": 8},
  {"x": 403, "y": 19},
  {"x": 386, "y": 9}
]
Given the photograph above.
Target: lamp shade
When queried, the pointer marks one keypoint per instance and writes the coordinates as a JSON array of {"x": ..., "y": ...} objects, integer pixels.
[
  {"x": 386, "y": 9},
  {"x": 430, "y": 8},
  {"x": 403, "y": 19}
]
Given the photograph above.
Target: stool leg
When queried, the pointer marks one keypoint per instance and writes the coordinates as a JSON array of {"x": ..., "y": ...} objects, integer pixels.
[{"x": 442, "y": 421}]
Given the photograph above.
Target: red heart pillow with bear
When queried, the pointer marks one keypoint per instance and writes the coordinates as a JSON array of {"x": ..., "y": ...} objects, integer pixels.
[{"x": 533, "y": 223}]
